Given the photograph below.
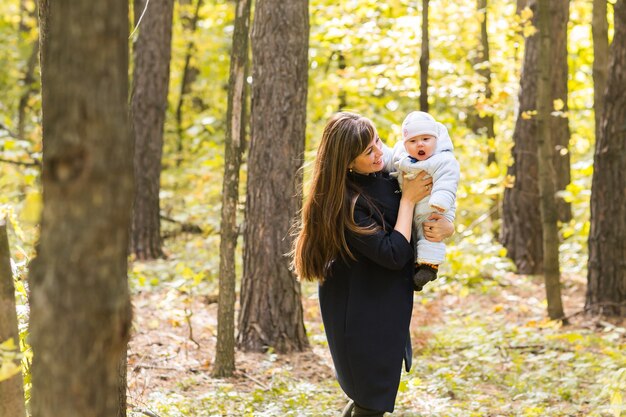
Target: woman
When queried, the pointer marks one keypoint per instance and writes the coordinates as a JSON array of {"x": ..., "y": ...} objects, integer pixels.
[{"x": 355, "y": 240}]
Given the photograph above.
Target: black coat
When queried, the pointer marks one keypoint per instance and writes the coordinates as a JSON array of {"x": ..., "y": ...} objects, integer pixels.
[{"x": 366, "y": 303}]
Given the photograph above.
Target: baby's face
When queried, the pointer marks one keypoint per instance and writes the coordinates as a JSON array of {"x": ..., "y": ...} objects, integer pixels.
[{"x": 421, "y": 147}]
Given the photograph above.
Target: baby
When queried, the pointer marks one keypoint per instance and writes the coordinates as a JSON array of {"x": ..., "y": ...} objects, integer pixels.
[{"x": 426, "y": 146}]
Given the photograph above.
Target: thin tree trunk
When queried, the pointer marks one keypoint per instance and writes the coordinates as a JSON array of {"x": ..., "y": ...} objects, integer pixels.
[
  {"x": 600, "y": 33},
  {"x": 29, "y": 79},
  {"x": 341, "y": 65},
  {"x": 484, "y": 124},
  {"x": 12, "y": 389},
  {"x": 424, "y": 59},
  {"x": 271, "y": 307},
  {"x": 606, "y": 290},
  {"x": 189, "y": 75},
  {"x": 559, "y": 126},
  {"x": 80, "y": 304},
  {"x": 235, "y": 144},
  {"x": 547, "y": 186},
  {"x": 149, "y": 104}
]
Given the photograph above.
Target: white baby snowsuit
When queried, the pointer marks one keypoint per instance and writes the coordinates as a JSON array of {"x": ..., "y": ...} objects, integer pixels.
[{"x": 443, "y": 167}]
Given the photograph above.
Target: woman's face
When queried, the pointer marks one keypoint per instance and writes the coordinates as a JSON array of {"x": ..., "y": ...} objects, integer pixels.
[{"x": 370, "y": 160}]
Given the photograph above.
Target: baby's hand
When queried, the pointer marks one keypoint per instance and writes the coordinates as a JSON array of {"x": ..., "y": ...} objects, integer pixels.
[{"x": 407, "y": 165}]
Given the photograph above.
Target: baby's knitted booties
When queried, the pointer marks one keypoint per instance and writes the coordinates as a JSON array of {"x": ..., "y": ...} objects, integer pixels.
[{"x": 424, "y": 273}]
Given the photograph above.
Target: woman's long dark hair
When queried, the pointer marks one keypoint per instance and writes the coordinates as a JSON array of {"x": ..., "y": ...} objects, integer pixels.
[{"x": 328, "y": 210}]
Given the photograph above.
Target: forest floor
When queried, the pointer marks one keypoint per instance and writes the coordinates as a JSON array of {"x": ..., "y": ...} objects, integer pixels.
[{"x": 486, "y": 350}]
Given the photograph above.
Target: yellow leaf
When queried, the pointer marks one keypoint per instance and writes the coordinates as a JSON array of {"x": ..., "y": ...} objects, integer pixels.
[
  {"x": 529, "y": 31},
  {"x": 497, "y": 308},
  {"x": 493, "y": 170},
  {"x": 8, "y": 369},
  {"x": 526, "y": 13},
  {"x": 558, "y": 104},
  {"x": 8, "y": 345},
  {"x": 32, "y": 208},
  {"x": 509, "y": 181}
]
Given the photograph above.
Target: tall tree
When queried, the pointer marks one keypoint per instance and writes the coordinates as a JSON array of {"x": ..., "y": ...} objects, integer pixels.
[
  {"x": 190, "y": 24},
  {"x": 559, "y": 125},
  {"x": 600, "y": 33},
  {"x": 271, "y": 307},
  {"x": 234, "y": 143},
  {"x": 483, "y": 122},
  {"x": 424, "y": 59},
  {"x": 28, "y": 12},
  {"x": 520, "y": 206},
  {"x": 80, "y": 304},
  {"x": 520, "y": 212},
  {"x": 11, "y": 389},
  {"x": 547, "y": 186},
  {"x": 152, "y": 51},
  {"x": 606, "y": 290}
]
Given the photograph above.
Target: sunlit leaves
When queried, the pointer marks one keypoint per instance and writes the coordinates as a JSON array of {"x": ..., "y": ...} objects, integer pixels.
[{"x": 9, "y": 359}]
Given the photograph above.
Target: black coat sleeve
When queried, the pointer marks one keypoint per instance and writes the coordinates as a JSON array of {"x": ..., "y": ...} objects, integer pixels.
[{"x": 387, "y": 248}]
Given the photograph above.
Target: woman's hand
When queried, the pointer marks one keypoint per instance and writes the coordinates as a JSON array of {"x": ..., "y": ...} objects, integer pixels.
[
  {"x": 437, "y": 228},
  {"x": 416, "y": 189}
]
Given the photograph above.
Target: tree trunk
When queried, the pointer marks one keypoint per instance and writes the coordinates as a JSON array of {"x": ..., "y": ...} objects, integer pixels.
[
  {"x": 520, "y": 233},
  {"x": 190, "y": 23},
  {"x": 606, "y": 291},
  {"x": 148, "y": 106},
  {"x": 559, "y": 126},
  {"x": 80, "y": 305},
  {"x": 600, "y": 32},
  {"x": 12, "y": 389},
  {"x": 545, "y": 150},
  {"x": 424, "y": 59},
  {"x": 484, "y": 123},
  {"x": 234, "y": 144},
  {"x": 343, "y": 96},
  {"x": 271, "y": 306}
]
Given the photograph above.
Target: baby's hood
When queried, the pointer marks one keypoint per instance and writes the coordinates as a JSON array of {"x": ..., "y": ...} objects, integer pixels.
[{"x": 444, "y": 143}]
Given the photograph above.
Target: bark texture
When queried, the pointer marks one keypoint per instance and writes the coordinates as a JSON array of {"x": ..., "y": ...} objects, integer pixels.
[
  {"x": 235, "y": 144},
  {"x": 80, "y": 306},
  {"x": 600, "y": 33},
  {"x": 152, "y": 51},
  {"x": 271, "y": 306},
  {"x": 606, "y": 291}
]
